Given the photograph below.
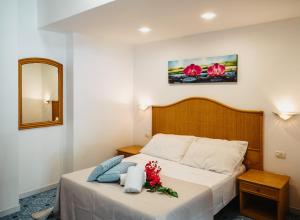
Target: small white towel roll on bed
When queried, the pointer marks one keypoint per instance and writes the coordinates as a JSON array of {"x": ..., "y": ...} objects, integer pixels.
[
  {"x": 135, "y": 179},
  {"x": 123, "y": 178}
]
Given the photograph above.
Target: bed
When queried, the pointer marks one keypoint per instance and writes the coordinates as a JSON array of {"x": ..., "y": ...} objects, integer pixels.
[
  {"x": 203, "y": 193},
  {"x": 223, "y": 186}
]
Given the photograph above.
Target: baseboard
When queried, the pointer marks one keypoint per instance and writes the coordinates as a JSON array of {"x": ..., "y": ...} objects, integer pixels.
[
  {"x": 295, "y": 211},
  {"x": 9, "y": 211},
  {"x": 39, "y": 190}
]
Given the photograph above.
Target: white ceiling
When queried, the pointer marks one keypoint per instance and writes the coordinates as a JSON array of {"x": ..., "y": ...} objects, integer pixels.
[{"x": 173, "y": 18}]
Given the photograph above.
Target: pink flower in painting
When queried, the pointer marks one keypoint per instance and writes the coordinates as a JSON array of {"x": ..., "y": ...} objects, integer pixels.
[
  {"x": 192, "y": 70},
  {"x": 216, "y": 70}
]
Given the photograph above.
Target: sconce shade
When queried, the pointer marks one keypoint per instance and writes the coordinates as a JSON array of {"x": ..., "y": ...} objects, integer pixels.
[{"x": 286, "y": 115}]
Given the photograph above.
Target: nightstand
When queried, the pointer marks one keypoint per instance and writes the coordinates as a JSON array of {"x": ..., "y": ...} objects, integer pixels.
[
  {"x": 263, "y": 195},
  {"x": 129, "y": 150}
]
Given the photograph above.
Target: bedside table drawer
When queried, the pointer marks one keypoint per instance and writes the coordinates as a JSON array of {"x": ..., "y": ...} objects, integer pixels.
[{"x": 259, "y": 190}]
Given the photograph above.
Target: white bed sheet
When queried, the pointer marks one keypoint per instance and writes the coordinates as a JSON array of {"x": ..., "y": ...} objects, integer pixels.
[{"x": 223, "y": 186}]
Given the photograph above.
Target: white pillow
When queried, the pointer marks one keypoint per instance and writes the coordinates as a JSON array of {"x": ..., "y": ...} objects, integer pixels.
[
  {"x": 168, "y": 146},
  {"x": 217, "y": 155}
]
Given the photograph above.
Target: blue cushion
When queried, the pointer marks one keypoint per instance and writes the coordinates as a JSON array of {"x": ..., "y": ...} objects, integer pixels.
[
  {"x": 113, "y": 175},
  {"x": 104, "y": 166}
]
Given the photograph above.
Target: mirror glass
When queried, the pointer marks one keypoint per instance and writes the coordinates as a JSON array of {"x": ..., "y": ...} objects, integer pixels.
[{"x": 40, "y": 95}]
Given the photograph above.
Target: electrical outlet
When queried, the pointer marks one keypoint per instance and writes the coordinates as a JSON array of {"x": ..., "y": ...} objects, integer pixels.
[{"x": 280, "y": 154}]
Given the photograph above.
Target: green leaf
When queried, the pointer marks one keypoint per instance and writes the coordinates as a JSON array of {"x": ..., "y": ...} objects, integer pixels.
[
  {"x": 162, "y": 189},
  {"x": 147, "y": 185},
  {"x": 174, "y": 194}
]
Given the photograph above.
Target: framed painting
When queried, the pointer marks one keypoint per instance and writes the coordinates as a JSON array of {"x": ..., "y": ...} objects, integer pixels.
[{"x": 204, "y": 70}]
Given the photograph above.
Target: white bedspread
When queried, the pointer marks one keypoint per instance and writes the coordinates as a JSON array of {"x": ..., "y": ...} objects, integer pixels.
[
  {"x": 223, "y": 186},
  {"x": 208, "y": 193},
  {"x": 81, "y": 200}
]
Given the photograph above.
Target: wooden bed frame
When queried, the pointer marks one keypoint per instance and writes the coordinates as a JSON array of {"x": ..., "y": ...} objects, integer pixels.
[{"x": 204, "y": 117}]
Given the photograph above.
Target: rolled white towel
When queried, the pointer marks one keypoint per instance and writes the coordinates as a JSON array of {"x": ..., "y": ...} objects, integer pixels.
[
  {"x": 134, "y": 180},
  {"x": 123, "y": 179}
]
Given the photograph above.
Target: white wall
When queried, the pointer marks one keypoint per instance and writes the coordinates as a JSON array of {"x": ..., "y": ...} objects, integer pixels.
[
  {"x": 9, "y": 107},
  {"x": 102, "y": 99},
  {"x": 29, "y": 159},
  {"x": 41, "y": 150},
  {"x": 269, "y": 76},
  {"x": 97, "y": 104},
  {"x": 69, "y": 118},
  {"x": 51, "y": 11}
]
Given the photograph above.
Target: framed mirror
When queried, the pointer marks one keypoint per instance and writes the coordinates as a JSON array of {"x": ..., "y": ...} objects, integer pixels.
[{"x": 40, "y": 93}]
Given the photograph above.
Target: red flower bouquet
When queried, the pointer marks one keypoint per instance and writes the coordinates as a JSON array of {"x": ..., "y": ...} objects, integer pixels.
[{"x": 153, "y": 182}]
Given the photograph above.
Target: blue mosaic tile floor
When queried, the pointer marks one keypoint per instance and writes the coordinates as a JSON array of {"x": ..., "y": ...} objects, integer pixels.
[
  {"x": 33, "y": 204},
  {"x": 47, "y": 199}
]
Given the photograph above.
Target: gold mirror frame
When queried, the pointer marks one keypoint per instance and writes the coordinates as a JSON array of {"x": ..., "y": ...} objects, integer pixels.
[{"x": 59, "y": 66}]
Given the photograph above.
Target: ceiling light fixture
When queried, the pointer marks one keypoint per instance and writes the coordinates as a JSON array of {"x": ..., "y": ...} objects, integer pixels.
[
  {"x": 144, "y": 29},
  {"x": 208, "y": 15}
]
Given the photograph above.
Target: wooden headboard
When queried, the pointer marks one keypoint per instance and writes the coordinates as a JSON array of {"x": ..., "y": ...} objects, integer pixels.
[{"x": 204, "y": 117}]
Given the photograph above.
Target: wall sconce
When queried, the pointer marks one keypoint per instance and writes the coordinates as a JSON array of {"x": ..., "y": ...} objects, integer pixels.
[
  {"x": 46, "y": 101},
  {"x": 143, "y": 107},
  {"x": 286, "y": 115}
]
